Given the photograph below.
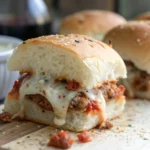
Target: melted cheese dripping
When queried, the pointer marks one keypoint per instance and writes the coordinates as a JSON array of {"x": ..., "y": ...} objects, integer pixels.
[{"x": 58, "y": 96}]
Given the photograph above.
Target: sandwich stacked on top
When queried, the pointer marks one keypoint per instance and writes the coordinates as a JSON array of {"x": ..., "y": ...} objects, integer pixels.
[
  {"x": 94, "y": 23},
  {"x": 68, "y": 81},
  {"x": 132, "y": 42}
]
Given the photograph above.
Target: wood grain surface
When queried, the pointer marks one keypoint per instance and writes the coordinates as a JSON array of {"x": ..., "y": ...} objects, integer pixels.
[{"x": 130, "y": 132}]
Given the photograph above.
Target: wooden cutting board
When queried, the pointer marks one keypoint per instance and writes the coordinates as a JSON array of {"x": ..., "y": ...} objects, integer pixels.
[{"x": 130, "y": 132}]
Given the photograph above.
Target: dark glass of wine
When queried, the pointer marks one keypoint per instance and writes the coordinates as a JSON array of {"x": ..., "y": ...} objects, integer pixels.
[{"x": 24, "y": 18}]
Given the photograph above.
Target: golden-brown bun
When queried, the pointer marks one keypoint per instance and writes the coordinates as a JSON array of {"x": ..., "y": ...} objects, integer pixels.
[
  {"x": 94, "y": 23},
  {"x": 71, "y": 57},
  {"x": 76, "y": 121},
  {"x": 132, "y": 42},
  {"x": 144, "y": 16}
]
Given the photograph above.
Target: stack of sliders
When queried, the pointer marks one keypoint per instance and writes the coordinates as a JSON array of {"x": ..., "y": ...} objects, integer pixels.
[
  {"x": 132, "y": 42},
  {"x": 68, "y": 81},
  {"x": 94, "y": 23}
]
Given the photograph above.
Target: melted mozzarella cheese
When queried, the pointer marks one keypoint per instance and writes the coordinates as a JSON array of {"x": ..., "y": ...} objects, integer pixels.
[{"x": 58, "y": 96}]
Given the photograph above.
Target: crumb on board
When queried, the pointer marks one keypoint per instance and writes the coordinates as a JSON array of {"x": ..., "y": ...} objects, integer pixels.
[
  {"x": 5, "y": 117},
  {"x": 61, "y": 140},
  {"x": 84, "y": 137},
  {"x": 106, "y": 125}
]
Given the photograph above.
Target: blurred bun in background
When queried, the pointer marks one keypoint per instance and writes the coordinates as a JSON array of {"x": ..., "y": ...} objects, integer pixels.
[{"x": 132, "y": 42}]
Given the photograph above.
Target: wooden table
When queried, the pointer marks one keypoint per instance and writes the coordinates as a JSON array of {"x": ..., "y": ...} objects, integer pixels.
[{"x": 130, "y": 132}]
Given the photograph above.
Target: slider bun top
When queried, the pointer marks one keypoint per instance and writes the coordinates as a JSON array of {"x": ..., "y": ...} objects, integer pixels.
[
  {"x": 94, "y": 23},
  {"x": 132, "y": 42},
  {"x": 71, "y": 57},
  {"x": 144, "y": 16}
]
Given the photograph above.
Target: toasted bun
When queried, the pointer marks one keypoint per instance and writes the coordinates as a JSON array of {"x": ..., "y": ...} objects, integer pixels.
[
  {"x": 144, "y": 16},
  {"x": 94, "y": 23},
  {"x": 132, "y": 42},
  {"x": 75, "y": 120},
  {"x": 70, "y": 57}
]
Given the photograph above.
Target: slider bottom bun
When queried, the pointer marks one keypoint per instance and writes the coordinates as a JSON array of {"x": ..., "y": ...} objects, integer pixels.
[
  {"x": 76, "y": 121},
  {"x": 138, "y": 82},
  {"x": 131, "y": 93},
  {"x": 143, "y": 95}
]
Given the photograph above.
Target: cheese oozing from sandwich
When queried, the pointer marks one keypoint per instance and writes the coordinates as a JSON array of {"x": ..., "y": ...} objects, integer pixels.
[{"x": 53, "y": 90}]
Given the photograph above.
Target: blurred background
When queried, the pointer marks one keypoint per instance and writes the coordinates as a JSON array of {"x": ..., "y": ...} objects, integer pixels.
[{"x": 31, "y": 18}]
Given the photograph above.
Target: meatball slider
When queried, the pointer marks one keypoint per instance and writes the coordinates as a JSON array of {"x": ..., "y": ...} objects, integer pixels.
[
  {"x": 68, "y": 81},
  {"x": 132, "y": 42},
  {"x": 94, "y": 23}
]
